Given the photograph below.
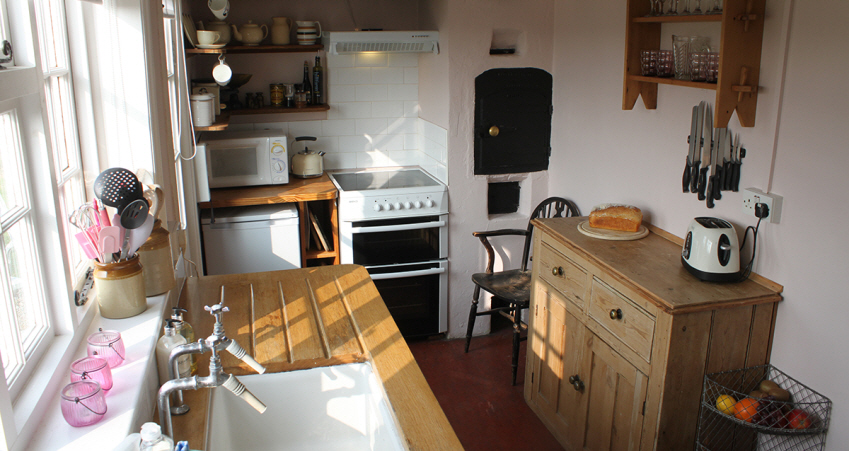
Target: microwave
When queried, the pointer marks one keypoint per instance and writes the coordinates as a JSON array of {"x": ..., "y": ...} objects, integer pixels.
[{"x": 243, "y": 158}]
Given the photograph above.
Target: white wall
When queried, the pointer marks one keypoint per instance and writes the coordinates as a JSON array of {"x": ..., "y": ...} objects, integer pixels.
[{"x": 637, "y": 157}]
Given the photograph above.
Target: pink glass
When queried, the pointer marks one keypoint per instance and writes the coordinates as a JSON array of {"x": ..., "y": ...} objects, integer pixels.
[
  {"x": 92, "y": 368},
  {"x": 107, "y": 344},
  {"x": 83, "y": 403}
]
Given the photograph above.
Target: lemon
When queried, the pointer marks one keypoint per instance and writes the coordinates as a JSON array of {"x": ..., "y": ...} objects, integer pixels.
[{"x": 725, "y": 404}]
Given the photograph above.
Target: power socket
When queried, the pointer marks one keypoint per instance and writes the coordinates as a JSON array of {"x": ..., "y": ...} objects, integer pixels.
[{"x": 752, "y": 196}]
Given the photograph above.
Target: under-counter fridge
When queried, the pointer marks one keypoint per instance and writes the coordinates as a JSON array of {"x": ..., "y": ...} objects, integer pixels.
[{"x": 249, "y": 239}]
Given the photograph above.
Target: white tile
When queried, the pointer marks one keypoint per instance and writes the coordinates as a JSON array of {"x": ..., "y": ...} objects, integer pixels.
[
  {"x": 282, "y": 126},
  {"x": 372, "y": 93},
  {"x": 403, "y": 92},
  {"x": 350, "y": 110},
  {"x": 356, "y": 143},
  {"x": 402, "y": 125},
  {"x": 350, "y": 76},
  {"x": 411, "y": 141},
  {"x": 403, "y": 59},
  {"x": 340, "y": 60},
  {"x": 388, "y": 142},
  {"x": 341, "y": 93},
  {"x": 374, "y": 126},
  {"x": 325, "y": 143},
  {"x": 388, "y": 75},
  {"x": 432, "y": 149},
  {"x": 378, "y": 159},
  {"x": 338, "y": 127},
  {"x": 411, "y": 75},
  {"x": 435, "y": 133},
  {"x": 240, "y": 127},
  {"x": 370, "y": 59},
  {"x": 340, "y": 160},
  {"x": 411, "y": 108},
  {"x": 387, "y": 109},
  {"x": 304, "y": 128},
  {"x": 442, "y": 173}
]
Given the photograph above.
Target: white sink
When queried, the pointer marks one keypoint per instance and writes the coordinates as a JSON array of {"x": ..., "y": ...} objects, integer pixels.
[{"x": 340, "y": 407}]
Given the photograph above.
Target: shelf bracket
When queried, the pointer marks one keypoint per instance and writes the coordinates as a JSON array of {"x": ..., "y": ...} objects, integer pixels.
[
  {"x": 748, "y": 17},
  {"x": 743, "y": 87}
]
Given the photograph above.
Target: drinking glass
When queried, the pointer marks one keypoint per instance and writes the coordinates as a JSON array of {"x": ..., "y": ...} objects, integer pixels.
[
  {"x": 698, "y": 66},
  {"x": 665, "y": 63}
]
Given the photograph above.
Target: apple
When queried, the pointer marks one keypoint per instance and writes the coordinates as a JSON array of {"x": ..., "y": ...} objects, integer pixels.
[{"x": 798, "y": 419}]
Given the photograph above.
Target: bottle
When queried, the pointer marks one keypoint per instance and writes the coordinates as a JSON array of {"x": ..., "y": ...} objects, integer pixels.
[
  {"x": 152, "y": 439},
  {"x": 306, "y": 83},
  {"x": 187, "y": 331},
  {"x": 166, "y": 343},
  {"x": 317, "y": 82}
]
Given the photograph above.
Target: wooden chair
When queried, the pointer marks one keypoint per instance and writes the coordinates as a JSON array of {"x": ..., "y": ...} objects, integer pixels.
[{"x": 513, "y": 286}]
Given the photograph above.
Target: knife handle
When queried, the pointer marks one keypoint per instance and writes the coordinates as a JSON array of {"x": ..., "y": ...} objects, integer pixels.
[
  {"x": 694, "y": 177},
  {"x": 702, "y": 181},
  {"x": 710, "y": 192},
  {"x": 685, "y": 183},
  {"x": 717, "y": 182},
  {"x": 735, "y": 177}
]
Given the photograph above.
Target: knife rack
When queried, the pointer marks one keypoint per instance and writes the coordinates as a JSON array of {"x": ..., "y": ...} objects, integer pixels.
[{"x": 741, "y": 38}]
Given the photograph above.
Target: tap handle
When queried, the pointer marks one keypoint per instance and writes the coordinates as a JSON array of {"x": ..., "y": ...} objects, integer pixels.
[
  {"x": 239, "y": 390},
  {"x": 241, "y": 354}
]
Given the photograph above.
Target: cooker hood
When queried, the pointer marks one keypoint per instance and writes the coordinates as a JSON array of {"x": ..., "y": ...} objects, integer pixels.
[{"x": 346, "y": 42}]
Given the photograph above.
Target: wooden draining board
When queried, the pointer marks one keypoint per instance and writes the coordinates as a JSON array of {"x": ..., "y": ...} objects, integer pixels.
[{"x": 308, "y": 318}]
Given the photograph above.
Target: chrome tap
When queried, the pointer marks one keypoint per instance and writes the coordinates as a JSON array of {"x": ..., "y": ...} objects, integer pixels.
[{"x": 214, "y": 343}]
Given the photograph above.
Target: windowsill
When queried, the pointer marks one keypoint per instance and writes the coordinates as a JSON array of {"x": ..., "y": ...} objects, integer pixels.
[{"x": 130, "y": 402}]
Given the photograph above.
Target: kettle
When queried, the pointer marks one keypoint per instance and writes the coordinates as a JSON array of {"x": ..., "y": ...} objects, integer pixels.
[
  {"x": 307, "y": 163},
  {"x": 711, "y": 251}
]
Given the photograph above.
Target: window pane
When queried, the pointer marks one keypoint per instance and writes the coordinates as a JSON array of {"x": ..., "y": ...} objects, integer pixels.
[
  {"x": 71, "y": 198},
  {"x": 30, "y": 318},
  {"x": 11, "y": 174}
]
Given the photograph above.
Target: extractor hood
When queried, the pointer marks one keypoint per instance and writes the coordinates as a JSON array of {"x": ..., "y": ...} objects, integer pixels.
[{"x": 344, "y": 42}]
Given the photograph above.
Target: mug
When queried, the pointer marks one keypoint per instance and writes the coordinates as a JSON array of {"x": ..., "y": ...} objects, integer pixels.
[
  {"x": 219, "y": 8},
  {"x": 308, "y": 31},
  {"x": 222, "y": 72},
  {"x": 206, "y": 37}
]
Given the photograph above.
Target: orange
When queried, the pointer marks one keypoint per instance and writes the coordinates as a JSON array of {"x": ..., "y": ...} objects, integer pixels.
[{"x": 745, "y": 409}]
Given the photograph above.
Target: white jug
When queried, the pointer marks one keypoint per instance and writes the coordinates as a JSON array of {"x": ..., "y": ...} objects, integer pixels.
[
  {"x": 308, "y": 31},
  {"x": 280, "y": 30}
]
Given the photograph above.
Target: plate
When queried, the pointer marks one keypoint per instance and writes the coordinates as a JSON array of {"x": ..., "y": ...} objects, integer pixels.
[
  {"x": 614, "y": 235},
  {"x": 190, "y": 30},
  {"x": 210, "y": 46}
]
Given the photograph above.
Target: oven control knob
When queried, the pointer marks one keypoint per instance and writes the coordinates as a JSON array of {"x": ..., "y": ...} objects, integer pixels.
[
  {"x": 397, "y": 205},
  {"x": 277, "y": 149},
  {"x": 377, "y": 207},
  {"x": 387, "y": 207},
  {"x": 417, "y": 204},
  {"x": 429, "y": 203},
  {"x": 277, "y": 166},
  {"x": 408, "y": 205}
]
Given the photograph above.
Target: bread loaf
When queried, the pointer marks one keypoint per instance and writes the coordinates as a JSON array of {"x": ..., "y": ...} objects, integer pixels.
[{"x": 626, "y": 218}]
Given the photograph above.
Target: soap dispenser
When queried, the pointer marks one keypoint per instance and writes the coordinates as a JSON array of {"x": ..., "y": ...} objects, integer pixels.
[
  {"x": 169, "y": 340},
  {"x": 187, "y": 331},
  {"x": 152, "y": 438}
]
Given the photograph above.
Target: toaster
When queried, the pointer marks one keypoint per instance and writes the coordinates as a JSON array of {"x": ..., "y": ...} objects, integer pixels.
[{"x": 711, "y": 251}]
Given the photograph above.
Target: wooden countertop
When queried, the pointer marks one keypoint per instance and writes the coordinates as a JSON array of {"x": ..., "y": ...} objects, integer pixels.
[
  {"x": 308, "y": 318},
  {"x": 654, "y": 264},
  {"x": 297, "y": 190}
]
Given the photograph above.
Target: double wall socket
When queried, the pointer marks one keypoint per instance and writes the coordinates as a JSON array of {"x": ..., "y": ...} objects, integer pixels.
[{"x": 753, "y": 196}]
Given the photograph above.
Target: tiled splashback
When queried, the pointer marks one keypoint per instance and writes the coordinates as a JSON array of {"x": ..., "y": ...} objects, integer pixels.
[{"x": 373, "y": 119}]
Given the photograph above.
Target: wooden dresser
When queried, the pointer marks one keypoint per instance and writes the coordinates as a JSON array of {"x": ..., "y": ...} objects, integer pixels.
[{"x": 621, "y": 336}]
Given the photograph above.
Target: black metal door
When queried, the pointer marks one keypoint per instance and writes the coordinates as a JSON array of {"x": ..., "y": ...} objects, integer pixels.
[{"x": 512, "y": 121}]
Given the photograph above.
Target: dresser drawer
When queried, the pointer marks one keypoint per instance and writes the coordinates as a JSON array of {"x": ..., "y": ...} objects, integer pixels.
[
  {"x": 563, "y": 274},
  {"x": 622, "y": 318}
]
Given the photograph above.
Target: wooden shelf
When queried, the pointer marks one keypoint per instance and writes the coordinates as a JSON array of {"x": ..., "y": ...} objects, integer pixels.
[
  {"x": 223, "y": 119},
  {"x": 741, "y": 38},
  {"x": 236, "y": 49}
]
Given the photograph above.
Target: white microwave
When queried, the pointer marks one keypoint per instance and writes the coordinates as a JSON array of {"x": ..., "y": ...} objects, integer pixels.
[{"x": 246, "y": 158}]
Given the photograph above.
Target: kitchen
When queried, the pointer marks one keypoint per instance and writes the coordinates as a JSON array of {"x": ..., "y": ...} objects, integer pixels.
[{"x": 602, "y": 153}]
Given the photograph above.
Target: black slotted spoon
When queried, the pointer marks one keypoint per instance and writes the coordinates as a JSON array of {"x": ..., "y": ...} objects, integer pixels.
[{"x": 118, "y": 187}]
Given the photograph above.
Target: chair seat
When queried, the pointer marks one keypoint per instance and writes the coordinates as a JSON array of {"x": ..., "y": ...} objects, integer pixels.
[{"x": 512, "y": 285}]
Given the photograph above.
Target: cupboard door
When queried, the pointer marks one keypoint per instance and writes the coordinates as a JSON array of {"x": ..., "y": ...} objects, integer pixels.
[
  {"x": 614, "y": 394},
  {"x": 556, "y": 354}
]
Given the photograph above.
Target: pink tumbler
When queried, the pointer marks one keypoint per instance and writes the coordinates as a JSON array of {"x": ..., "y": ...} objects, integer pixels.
[
  {"x": 107, "y": 344},
  {"x": 92, "y": 368},
  {"x": 83, "y": 403}
]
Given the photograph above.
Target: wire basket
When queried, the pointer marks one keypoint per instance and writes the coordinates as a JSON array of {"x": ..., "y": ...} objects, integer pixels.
[{"x": 770, "y": 426}]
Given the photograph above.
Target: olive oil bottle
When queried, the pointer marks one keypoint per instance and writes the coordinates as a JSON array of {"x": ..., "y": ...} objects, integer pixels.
[{"x": 317, "y": 82}]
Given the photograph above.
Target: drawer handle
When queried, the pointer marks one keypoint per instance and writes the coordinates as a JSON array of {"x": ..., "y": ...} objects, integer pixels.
[
  {"x": 576, "y": 382},
  {"x": 557, "y": 271},
  {"x": 616, "y": 313}
]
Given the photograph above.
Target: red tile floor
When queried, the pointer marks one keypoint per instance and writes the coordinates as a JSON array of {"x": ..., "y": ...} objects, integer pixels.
[{"x": 474, "y": 390}]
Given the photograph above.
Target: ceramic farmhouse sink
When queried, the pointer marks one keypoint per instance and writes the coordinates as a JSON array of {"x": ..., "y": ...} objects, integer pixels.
[{"x": 340, "y": 407}]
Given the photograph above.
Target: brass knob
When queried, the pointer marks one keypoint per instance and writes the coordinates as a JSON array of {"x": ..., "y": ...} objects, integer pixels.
[
  {"x": 576, "y": 382},
  {"x": 493, "y": 131},
  {"x": 557, "y": 271},
  {"x": 616, "y": 313}
]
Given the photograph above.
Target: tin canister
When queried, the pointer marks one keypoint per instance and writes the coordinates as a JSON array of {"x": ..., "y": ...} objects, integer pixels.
[{"x": 276, "y": 94}]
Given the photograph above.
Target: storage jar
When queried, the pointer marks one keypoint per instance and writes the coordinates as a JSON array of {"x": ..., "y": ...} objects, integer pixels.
[
  {"x": 155, "y": 258},
  {"x": 120, "y": 288}
]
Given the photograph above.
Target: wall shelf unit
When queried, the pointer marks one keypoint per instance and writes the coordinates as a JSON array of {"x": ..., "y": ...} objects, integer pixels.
[
  {"x": 223, "y": 119},
  {"x": 741, "y": 37},
  {"x": 236, "y": 49}
]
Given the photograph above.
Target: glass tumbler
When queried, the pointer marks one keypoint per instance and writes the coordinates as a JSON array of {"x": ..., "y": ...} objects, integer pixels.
[
  {"x": 698, "y": 66},
  {"x": 665, "y": 63},
  {"x": 712, "y": 67},
  {"x": 83, "y": 403},
  {"x": 107, "y": 344},
  {"x": 648, "y": 63},
  {"x": 92, "y": 368}
]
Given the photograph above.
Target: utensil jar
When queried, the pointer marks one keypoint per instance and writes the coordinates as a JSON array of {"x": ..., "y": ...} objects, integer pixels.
[
  {"x": 155, "y": 258},
  {"x": 120, "y": 288}
]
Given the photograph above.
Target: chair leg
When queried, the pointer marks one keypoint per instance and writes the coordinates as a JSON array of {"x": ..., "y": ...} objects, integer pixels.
[
  {"x": 517, "y": 331},
  {"x": 472, "y": 315}
]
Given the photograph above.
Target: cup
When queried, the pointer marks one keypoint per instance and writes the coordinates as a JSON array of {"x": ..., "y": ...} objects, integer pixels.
[
  {"x": 92, "y": 368},
  {"x": 222, "y": 72},
  {"x": 83, "y": 403},
  {"x": 206, "y": 37},
  {"x": 308, "y": 31},
  {"x": 219, "y": 8},
  {"x": 107, "y": 344}
]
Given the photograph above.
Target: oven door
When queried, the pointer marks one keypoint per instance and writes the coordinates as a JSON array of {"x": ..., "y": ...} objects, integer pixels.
[
  {"x": 394, "y": 241},
  {"x": 416, "y": 295}
]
